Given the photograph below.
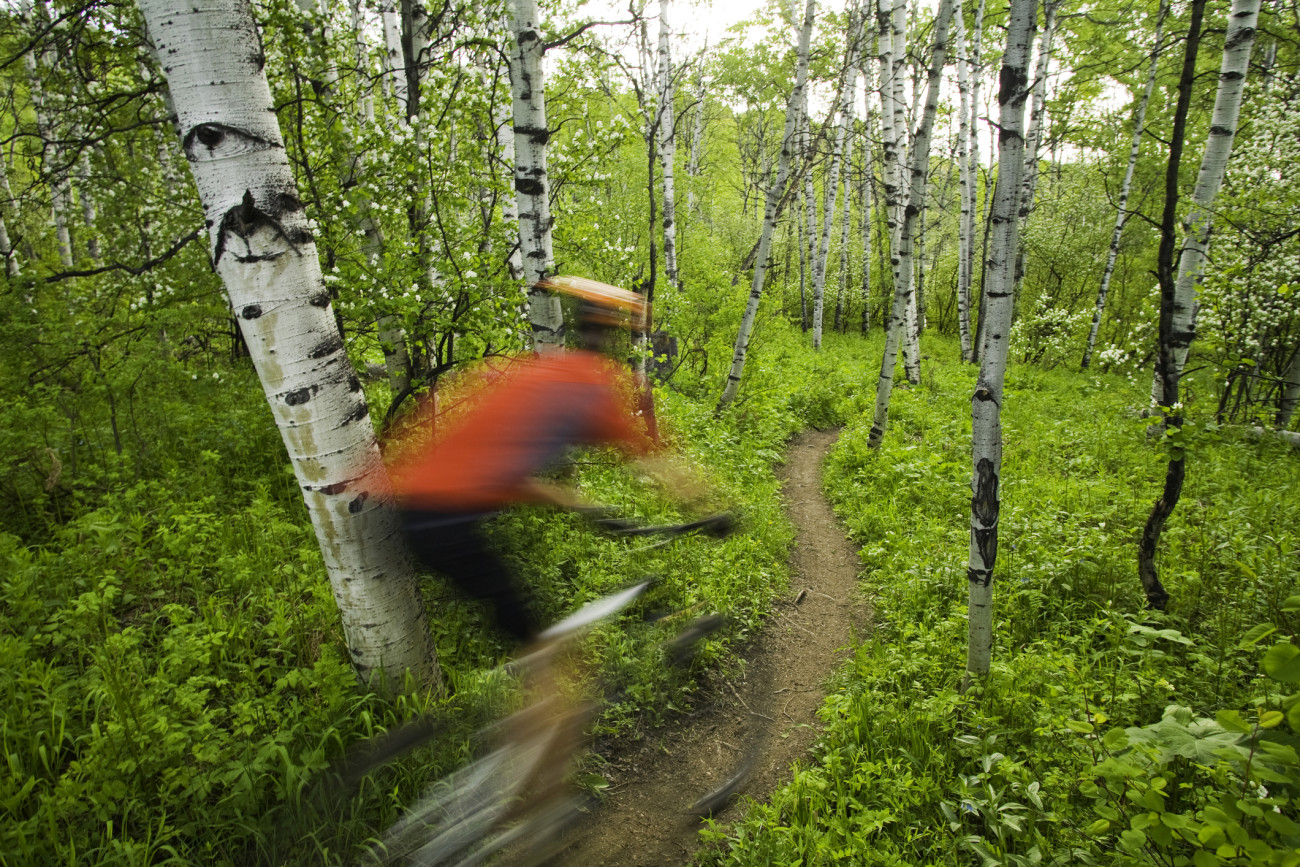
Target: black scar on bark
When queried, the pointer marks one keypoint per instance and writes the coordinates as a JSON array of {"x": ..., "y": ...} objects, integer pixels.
[
  {"x": 528, "y": 186},
  {"x": 298, "y": 396},
  {"x": 358, "y": 504},
  {"x": 357, "y": 413},
  {"x": 354, "y": 384},
  {"x": 984, "y": 508},
  {"x": 336, "y": 488},
  {"x": 252, "y": 311},
  {"x": 243, "y": 220},
  {"x": 211, "y": 136},
  {"x": 326, "y": 347},
  {"x": 320, "y": 299}
]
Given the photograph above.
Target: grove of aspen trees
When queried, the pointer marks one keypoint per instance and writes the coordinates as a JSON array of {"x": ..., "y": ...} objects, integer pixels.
[{"x": 1037, "y": 261}]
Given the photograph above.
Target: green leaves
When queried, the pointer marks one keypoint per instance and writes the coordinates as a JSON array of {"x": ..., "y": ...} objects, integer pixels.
[{"x": 1282, "y": 663}]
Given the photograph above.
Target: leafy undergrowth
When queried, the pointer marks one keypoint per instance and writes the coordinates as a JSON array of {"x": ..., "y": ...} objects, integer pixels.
[
  {"x": 175, "y": 679},
  {"x": 1106, "y": 733}
]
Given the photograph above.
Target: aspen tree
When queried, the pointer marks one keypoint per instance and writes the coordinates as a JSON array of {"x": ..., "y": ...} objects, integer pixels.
[
  {"x": 973, "y": 178},
  {"x": 848, "y": 81},
  {"x": 1178, "y": 297},
  {"x": 986, "y": 403},
  {"x": 774, "y": 194},
  {"x": 918, "y": 176},
  {"x": 51, "y": 158},
  {"x": 964, "y": 226},
  {"x": 1290, "y": 396},
  {"x": 844, "y": 240},
  {"x": 697, "y": 133},
  {"x": 1038, "y": 105},
  {"x": 1122, "y": 212},
  {"x": 262, "y": 246},
  {"x": 7, "y": 207},
  {"x": 531, "y": 134},
  {"x": 667, "y": 145}
]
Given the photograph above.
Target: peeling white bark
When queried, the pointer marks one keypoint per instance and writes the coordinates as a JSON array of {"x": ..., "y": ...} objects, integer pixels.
[{"x": 262, "y": 246}]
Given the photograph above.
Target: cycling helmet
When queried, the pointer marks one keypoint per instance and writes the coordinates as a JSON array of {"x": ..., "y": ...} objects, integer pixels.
[{"x": 602, "y": 304}]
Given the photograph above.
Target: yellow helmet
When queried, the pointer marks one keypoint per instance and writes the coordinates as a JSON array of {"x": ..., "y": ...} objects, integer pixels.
[{"x": 602, "y": 304}]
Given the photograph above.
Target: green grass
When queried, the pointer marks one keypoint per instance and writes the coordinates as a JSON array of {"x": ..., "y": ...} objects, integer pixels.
[{"x": 913, "y": 771}]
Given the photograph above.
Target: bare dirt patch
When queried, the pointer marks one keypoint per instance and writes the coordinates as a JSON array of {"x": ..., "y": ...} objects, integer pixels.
[{"x": 767, "y": 716}]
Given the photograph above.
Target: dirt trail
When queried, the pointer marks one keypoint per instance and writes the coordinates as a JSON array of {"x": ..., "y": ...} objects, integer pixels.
[{"x": 772, "y": 707}]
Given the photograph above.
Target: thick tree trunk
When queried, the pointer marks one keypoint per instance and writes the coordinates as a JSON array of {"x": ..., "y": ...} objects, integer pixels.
[
  {"x": 262, "y": 247},
  {"x": 1177, "y": 296},
  {"x": 986, "y": 403},
  {"x": 918, "y": 177},
  {"x": 774, "y": 194},
  {"x": 1121, "y": 215},
  {"x": 528, "y": 90}
]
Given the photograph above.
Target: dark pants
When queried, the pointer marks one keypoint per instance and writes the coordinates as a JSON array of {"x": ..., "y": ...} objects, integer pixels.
[{"x": 453, "y": 544}]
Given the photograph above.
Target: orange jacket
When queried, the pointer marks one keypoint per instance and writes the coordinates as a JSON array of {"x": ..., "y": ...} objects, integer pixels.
[{"x": 521, "y": 424}]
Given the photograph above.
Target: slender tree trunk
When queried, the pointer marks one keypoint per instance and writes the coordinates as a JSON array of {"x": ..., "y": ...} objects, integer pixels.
[
  {"x": 51, "y": 159},
  {"x": 986, "y": 403},
  {"x": 1177, "y": 297},
  {"x": 1122, "y": 214},
  {"x": 803, "y": 271},
  {"x": 667, "y": 145},
  {"x": 813, "y": 229},
  {"x": 977, "y": 81},
  {"x": 865, "y": 195},
  {"x": 697, "y": 136},
  {"x": 848, "y": 81},
  {"x": 528, "y": 89},
  {"x": 774, "y": 195},
  {"x": 1037, "y": 123},
  {"x": 918, "y": 177},
  {"x": 844, "y": 240},
  {"x": 964, "y": 226},
  {"x": 1290, "y": 396},
  {"x": 263, "y": 249},
  {"x": 7, "y": 207}
]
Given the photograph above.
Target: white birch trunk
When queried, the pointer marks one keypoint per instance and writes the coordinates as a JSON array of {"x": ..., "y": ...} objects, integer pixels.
[
  {"x": 848, "y": 81},
  {"x": 361, "y": 57},
  {"x": 667, "y": 145},
  {"x": 741, "y": 349},
  {"x": 844, "y": 238},
  {"x": 393, "y": 75},
  {"x": 505, "y": 138},
  {"x": 1029, "y": 180},
  {"x": 57, "y": 178},
  {"x": 918, "y": 172},
  {"x": 964, "y": 226},
  {"x": 1122, "y": 214},
  {"x": 7, "y": 207},
  {"x": 973, "y": 177},
  {"x": 262, "y": 246},
  {"x": 88, "y": 210},
  {"x": 1214, "y": 163},
  {"x": 1290, "y": 392},
  {"x": 866, "y": 233},
  {"x": 528, "y": 92},
  {"x": 697, "y": 136},
  {"x": 986, "y": 403}
]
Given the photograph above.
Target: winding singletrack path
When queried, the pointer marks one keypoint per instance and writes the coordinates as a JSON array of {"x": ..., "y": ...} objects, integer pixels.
[{"x": 768, "y": 715}]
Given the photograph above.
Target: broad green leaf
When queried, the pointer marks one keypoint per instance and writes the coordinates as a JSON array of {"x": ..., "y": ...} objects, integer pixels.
[
  {"x": 1256, "y": 634},
  {"x": 1270, "y": 719},
  {"x": 1099, "y": 827},
  {"x": 1083, "y": 728},
  {"x": 1292, "y": 603},
  {"x": 1233, "y": 721},
  {"x": 1282, "y": 663}
]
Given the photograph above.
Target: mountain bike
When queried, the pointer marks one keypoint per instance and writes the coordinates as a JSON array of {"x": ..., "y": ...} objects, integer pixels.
[{"x": 515, "y": 792}]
